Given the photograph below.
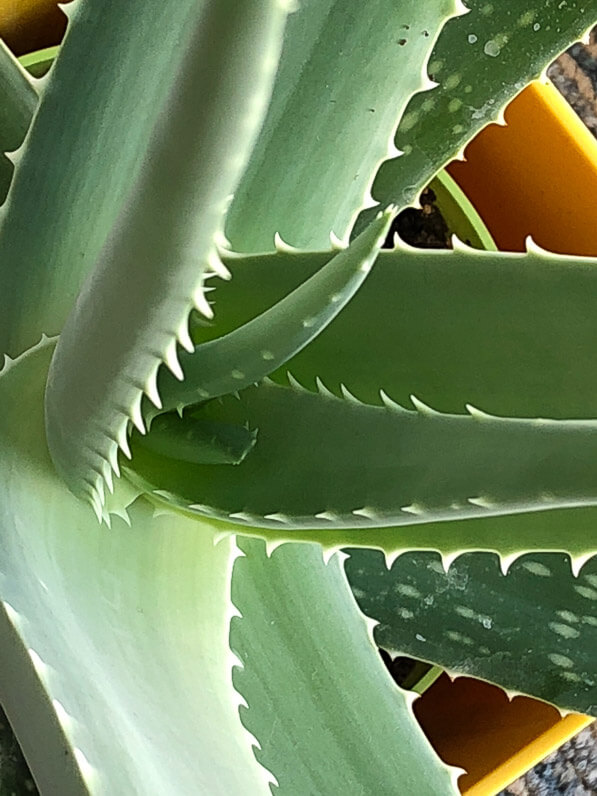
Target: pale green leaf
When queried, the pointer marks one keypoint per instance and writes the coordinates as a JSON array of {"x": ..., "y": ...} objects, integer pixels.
[
  {"x": 18, "y": 100},
  {"x": 493, "y": 353},
  {"x": 326, "y": 462},
  {"x": 323, "y": 707},
  {"x": 252, "y": 351},
  {"x": 97, "y": 114},
  {"x": 132, "y": 311},
  {"x": 513, "y": 334},
  {"x": 347, "y": 72},
  {"x": 126, "y": 629}
]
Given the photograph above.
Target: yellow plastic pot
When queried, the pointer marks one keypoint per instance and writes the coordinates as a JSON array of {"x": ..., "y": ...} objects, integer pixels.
[{"x": 476, "y": 726}]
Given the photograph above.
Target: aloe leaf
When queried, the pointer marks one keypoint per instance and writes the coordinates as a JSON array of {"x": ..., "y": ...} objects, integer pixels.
[
  {"x": 460, "y": 216},
  {"x": 118, "y": 639},
  {"x": 532, "y": 631},
  {"x": 481, "y": 60},
  {"x": 18, "y": 100},
  {"x": 322, "y": 461},
  {"x": 191, "y": 439},
  {"x": 320, "y": 702},
  {"x": 494, "y": 352},
  {"x": 164, "y": 239},
  {"x": 247, "y": 354},
  {"x": 97, "y": 113},
  {"x": 346, "y": 73}
]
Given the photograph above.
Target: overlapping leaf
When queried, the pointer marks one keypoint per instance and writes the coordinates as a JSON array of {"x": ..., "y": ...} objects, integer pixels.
[
  {"x": 533, "y": 630},
  {"x": 163, "y": 239},
  {"x": 119, "y": 645},
  {"x": 481, "y": 61},
  {"x": 347, "y": 71},
  {"x": 327, "y": 715},
  {"x": 18, "y": 100}
]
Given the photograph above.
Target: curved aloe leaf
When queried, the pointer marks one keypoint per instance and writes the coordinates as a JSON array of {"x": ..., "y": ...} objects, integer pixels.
[
  {"x": 125, "y": 631},
  {"x": 533, "y": 630},
  {"x": 97, "y": 113},
  {"x": 323, "y": 461},
  {"x": 18, "y": 100},
  {"x": 449, "y": 359},
  {"x": 191, "y": 439},
  {"x": 494, "y": 352},
  {"x": 481, "y": 61},
  {"x": 247, "y": 354},
  {"x": 162, "y": 242},
  {"x": 347, "y": 71},
  {"x": 319, "y": 699}
]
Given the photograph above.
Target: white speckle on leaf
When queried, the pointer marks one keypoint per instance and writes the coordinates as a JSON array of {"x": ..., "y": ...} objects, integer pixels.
[
  {"x": 309, "y": 322},
  {"x": 406, "y": 590},
  {"x": 465, "y": 611},
  {"x": 471, "y": 38},
  {"x": 454, "y": 635},
  {"x": 428, "y": 104},
  {"x": 560, "y": 660},
  {"x": 419, "y": 637},
  {"x": 567, "y": 616},
  {"x": 409, "y": 120},
  {"x": 492, "y": 48},
  {"x": 267, "y": 355},
  {"x": 590, "y": 620},
  {"x": 454, "y": 105},
  {"x": 237, "y": 374},
  {"x": 404, "y": 613},
  {"x": 572, "y": 677},
  {"x": 535, "y": 568},
  {"x": 584, "y": 591},
  {"x": 453, "y": 81},
  {"x": 564, "y": 630},
  {"x": 591, "y": 580},
  {"x": 524, "y": 20},
  {"x": 458, "y": 128},
  {"x": 487, "y": 9},
  {"x": 536, "y": 27}
]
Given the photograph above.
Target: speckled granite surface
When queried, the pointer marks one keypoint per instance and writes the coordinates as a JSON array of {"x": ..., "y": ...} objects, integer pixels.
[{"x": 571, "y": 771}]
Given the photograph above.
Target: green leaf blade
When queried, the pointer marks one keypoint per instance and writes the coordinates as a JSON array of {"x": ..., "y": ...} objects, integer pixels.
[
  {"x": 346, "y": 74},
  {"x": 533, "y": 631},
  {"x": 252, "y": 351},
  {"x": 320, "y": 702},
  {"x": 481, "y": 61},
  {"x": 124, "y": 630},
  {"x": 18, "y": 100},
  {"x": 162, "y": 242},
  {"x": 73, "y": 152},
  {"x": 326, "y": 462}
]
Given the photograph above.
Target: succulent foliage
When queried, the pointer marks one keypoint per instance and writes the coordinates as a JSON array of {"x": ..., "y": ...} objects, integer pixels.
[{"x": 204, "y": 341}]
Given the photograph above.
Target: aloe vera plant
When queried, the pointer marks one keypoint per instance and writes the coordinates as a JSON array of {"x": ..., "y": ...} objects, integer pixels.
[{"x": 216, "y": 384}]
